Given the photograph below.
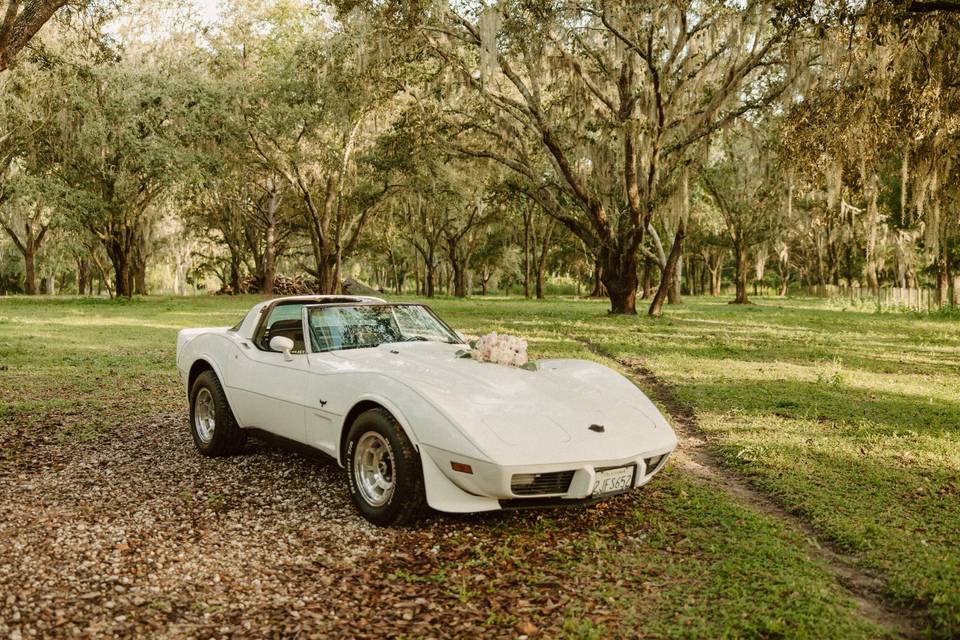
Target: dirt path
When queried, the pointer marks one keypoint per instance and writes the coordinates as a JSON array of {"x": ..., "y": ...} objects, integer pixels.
[{"x": 694, "y": 456}]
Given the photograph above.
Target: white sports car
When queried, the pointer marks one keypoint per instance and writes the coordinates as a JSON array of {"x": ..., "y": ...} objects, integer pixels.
[{"x": 386, "y": 391}]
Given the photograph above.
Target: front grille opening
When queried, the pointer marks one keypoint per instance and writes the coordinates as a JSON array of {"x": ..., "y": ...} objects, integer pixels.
[
  {"x": 654, "y": 463},
  {"x": 541, "y": 484}
]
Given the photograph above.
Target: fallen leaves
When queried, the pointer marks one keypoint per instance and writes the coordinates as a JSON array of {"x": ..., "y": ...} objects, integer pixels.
[{"x": 135, "y": 534}]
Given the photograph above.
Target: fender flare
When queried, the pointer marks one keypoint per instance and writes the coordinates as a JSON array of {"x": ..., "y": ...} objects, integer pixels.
[
  {"x": 217, "y": 370},
  {"x": 389, "y": 406},
  {"x": 206, "y": 357}
]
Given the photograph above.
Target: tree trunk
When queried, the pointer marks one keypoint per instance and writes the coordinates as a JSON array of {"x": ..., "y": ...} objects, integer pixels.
[
  {"x": 541, "y": 257},
  {"x": 459, "y": 274},
  {"x": 833, "y": 258},
  {"x": 234, "y": 273},
  {"x": 619, "y": 276},
  {"x": 429, "y": 279},
  {"x": 673, "y": 291},
  {"x": 667, "y": 278},
  {"x": 269, "y": 260},
  {"x": 416, "y": 273},
  {"x": 104, "y": 280},
  {"x": 399, "y": 276},
  {"x": 30, "y": 271},
  {"x": 121, "y": 270},
  {"x": 526, "y": 252},
  {"x": 821, "y": 274},
  {"x": 122, "y": 282},
  {"x": 140, "y": 276},
  {"x": 598, "y": 285},
  {"x": 139, "y": 253},
  {"x": 743, "y": 267},
  {"x": 28, "y": 246},
  {"x": 338, "y": 267},
  {"x": 871, "y": 193},
  {"x": 692, "y": 273},
  {"x": 647, "y": 278},
  {"x": 83, "y": 275},
  {"x": 943, "y": 279}
]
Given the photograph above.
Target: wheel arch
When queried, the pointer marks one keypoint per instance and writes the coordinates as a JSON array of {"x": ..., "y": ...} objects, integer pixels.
[
  {"x": 363, "y": 405},
  {"x": 201, "y": 364}
]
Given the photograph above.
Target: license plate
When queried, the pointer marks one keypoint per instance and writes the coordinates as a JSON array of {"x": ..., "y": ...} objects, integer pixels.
[{"x": 613, "y": 480}]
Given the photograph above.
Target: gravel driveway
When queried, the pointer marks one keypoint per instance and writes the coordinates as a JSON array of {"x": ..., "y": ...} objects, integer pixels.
[{"x": 137, "y": 535}]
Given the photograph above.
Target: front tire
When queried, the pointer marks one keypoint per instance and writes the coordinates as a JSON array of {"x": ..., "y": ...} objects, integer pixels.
[
  {"x": 384, "y": 471},
  {"x": 214, "y": 428}
]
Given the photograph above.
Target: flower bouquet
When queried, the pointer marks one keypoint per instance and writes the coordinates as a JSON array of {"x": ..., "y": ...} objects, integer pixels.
[{"x": 500, "y": 349}]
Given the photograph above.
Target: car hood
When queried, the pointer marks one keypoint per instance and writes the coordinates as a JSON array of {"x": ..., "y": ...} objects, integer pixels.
[{"x": 516, "y": 416}]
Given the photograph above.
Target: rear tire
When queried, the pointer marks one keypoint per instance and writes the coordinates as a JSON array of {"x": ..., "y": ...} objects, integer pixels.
[
  {"x": 214, "y": 428},
  {"x": 384, "y": 472}
]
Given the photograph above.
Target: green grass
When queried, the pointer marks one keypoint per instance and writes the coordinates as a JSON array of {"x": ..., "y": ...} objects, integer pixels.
[
  {"x": 849, "y": 417},
  {"x": 676, "y": 560}
]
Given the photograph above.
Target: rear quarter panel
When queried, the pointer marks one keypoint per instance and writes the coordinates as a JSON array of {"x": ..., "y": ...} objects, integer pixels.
[{"x": 217, "y": 347}]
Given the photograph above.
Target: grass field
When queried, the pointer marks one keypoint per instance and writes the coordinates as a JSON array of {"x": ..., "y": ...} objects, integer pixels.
[{"x": 848, "y": 418}]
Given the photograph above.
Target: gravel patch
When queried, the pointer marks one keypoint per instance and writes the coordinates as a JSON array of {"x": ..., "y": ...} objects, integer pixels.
[{"x": 137, "y": 534}]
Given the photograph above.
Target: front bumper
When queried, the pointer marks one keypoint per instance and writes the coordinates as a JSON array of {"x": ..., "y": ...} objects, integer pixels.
[{"x": 491, "y": 486}]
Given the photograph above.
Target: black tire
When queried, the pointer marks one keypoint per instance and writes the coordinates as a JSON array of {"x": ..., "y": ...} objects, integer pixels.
[
  {"x": 226, "y": 437},
  {"x": 407, "y": 501}
]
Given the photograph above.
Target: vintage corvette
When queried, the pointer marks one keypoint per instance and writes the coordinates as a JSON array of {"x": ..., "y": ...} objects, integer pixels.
[{"x": 386, "y": 391}]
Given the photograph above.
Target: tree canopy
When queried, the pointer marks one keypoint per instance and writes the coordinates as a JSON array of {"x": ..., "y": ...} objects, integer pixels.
[{"x": 627, "y": 150}]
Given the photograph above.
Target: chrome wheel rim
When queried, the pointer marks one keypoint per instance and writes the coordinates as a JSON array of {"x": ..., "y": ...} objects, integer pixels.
[
  {"x": 374, "y": 469},
  {"x": 204, "y": 415}
]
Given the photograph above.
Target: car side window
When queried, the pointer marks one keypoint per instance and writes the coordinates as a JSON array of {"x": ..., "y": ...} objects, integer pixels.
[{"x": 284, "y": 320}]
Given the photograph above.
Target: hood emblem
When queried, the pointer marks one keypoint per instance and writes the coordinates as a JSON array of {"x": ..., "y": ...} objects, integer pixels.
[{"x": 599, "y": 428}]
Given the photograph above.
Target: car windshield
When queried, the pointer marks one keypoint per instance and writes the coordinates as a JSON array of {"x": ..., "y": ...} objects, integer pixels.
[{"x": 338, "y": 327}]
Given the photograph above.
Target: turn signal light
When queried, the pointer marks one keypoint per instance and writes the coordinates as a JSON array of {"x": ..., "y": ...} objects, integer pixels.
[{"x": 462, "y": 468}]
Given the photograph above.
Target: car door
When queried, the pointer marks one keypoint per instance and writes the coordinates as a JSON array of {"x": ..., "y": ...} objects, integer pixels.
[
  {"x": 327, "y": 400},
  {"x": 269, "y": 390}
]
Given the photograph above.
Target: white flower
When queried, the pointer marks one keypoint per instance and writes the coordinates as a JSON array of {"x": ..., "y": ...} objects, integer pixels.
[{"x": 501, "y": 349}]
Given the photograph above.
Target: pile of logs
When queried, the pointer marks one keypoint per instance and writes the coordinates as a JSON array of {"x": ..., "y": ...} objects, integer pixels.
[{"x": 297, "y": 285}]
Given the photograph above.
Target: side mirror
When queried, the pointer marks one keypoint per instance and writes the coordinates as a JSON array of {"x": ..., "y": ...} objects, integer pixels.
[{"x": 282, "y": 344}]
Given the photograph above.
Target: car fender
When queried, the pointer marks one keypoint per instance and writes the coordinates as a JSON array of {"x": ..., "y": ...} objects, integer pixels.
[
  {"x": 419, "y": 417},
  {"x": 214, "y": 349},
  {"x": 391, "y": 407},
  {"x": 442, "y": 494}
]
